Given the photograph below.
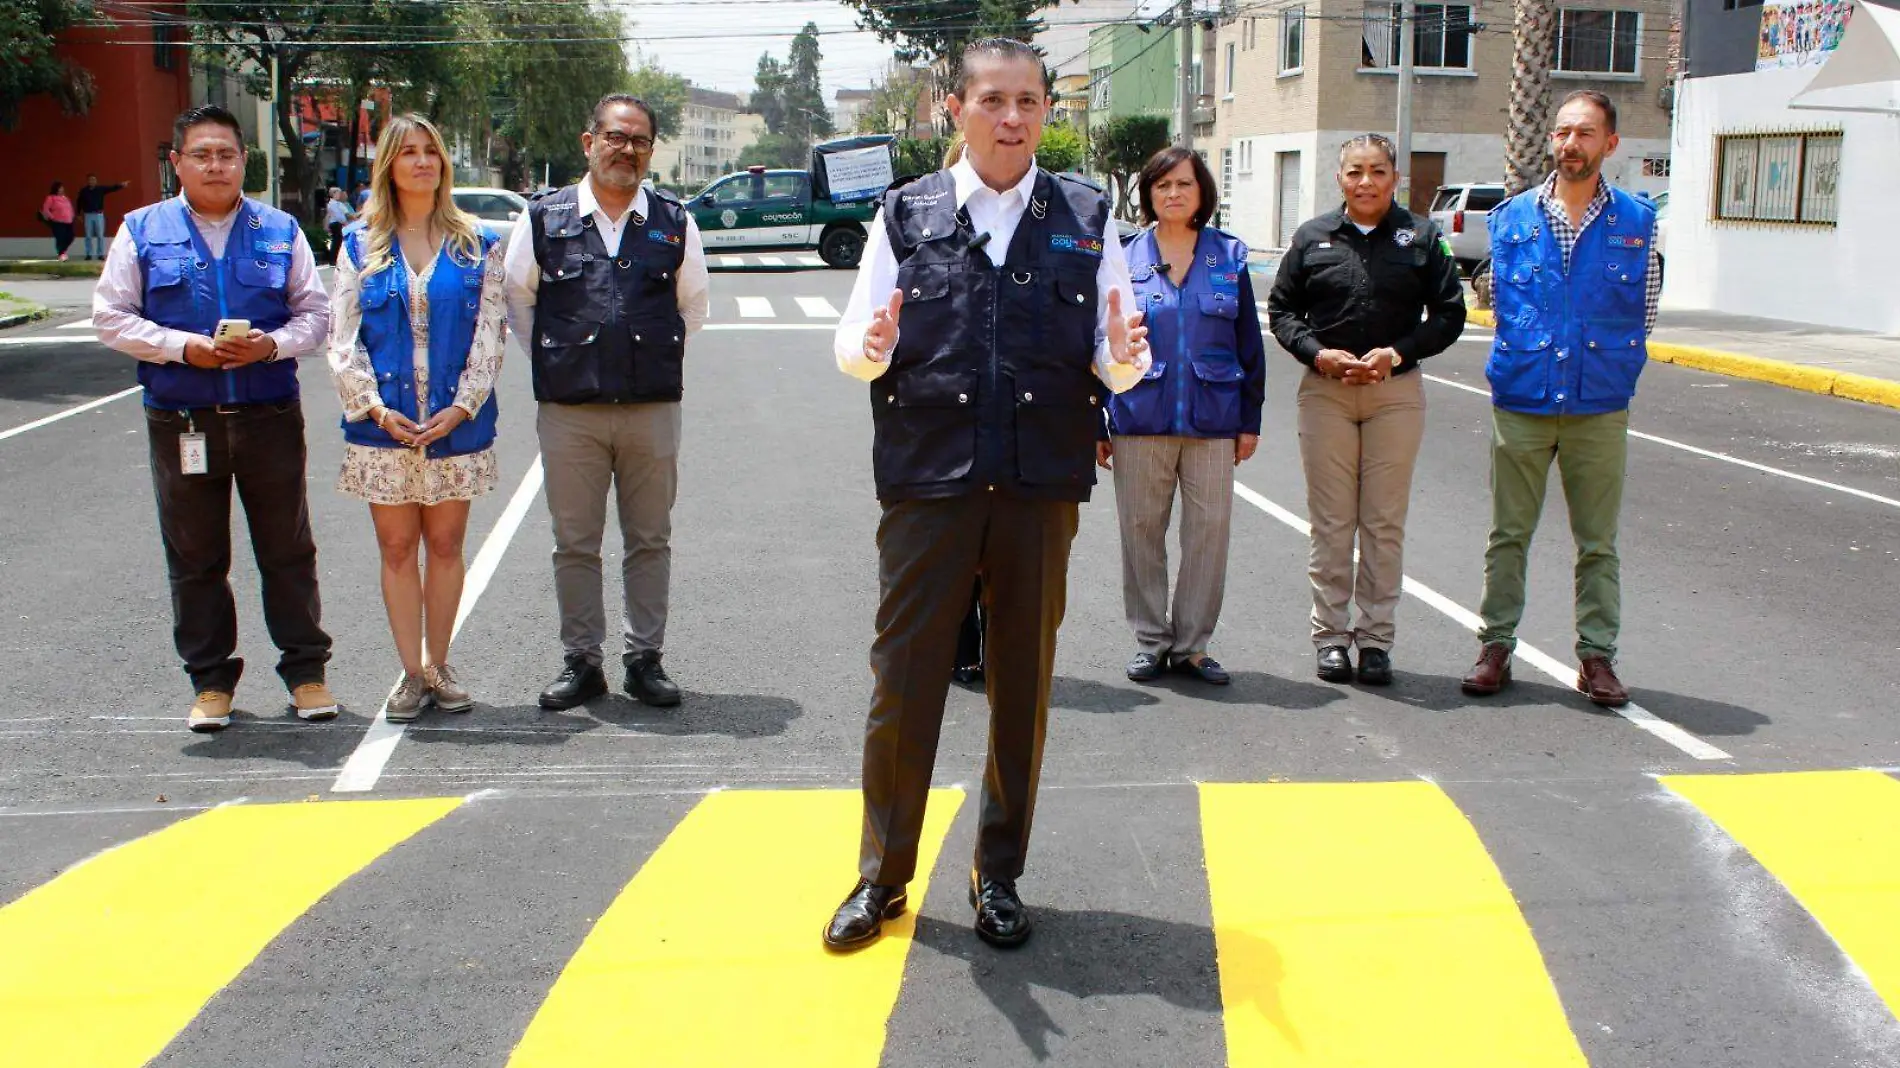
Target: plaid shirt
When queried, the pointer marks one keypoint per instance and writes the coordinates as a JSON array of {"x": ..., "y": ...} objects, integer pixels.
[{"x": 1567, "y": 236}]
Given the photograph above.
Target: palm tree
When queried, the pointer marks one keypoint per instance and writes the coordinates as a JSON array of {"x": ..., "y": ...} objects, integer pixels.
[{"x": 1526, "y": 142}]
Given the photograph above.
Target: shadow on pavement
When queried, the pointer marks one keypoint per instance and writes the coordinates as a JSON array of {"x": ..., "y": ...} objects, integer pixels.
[
  {"x": 63, "y": 372},
  {"x": 1697, "y": 715},
  {"x": 283, "y": 737},
  {"x": 1085, "y": 954},
  {"x": 1248, "y": 688},
  {"x": 734, "y": 715}
]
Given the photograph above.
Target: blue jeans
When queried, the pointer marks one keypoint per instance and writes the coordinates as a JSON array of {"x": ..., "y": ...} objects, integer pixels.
[{"x": 95, "y": 231}]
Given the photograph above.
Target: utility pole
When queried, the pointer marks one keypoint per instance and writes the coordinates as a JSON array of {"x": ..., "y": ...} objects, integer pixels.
[
  {"x": 1408, "y": 15},
  {"x": 270, "y": 143},
  {"x": 1184, "y": 22}
]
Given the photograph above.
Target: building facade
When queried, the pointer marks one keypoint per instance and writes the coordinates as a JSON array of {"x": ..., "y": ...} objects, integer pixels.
[
  {"x": 713, "y": 132},
  {"x": 848, "y": 106},
  {"x": 1776, "y": 211},
  {"x": 1294, "y": 82}
]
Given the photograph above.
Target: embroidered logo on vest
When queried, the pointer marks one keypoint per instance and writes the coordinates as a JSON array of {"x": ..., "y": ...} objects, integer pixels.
[{"x": 1088, "y": 246}]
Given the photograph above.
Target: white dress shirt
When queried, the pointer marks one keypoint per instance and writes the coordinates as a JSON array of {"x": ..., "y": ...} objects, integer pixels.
[
  {"x": 996, "y": 214},
  {"x": 691, "y": 287},
  {"x": 118, "y": 302}
]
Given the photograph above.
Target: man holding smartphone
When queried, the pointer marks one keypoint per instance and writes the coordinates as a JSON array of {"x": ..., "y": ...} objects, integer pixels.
[{"x": 217, "y": 296}]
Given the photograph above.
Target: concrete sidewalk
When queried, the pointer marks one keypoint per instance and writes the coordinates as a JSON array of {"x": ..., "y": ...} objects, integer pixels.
[{"x": 1815, "y": 359}]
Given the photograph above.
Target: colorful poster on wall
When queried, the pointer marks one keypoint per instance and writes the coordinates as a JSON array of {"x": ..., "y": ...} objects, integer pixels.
[{"x": 1799, "y": 33}]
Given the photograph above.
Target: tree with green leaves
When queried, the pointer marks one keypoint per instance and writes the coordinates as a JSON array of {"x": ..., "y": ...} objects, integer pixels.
[
  {"x": 1121, "y": 147},
  {"x": 807, "y": 117},
  {"x": 1063, "y": 148},
  {"x": 893, "y": 105},
  {"x": 929, "y": 30},
  {"x": 768, "y": 93},
  {"x": 558, "y": 61},
  {"x": 664, "y": 92},
  {"x": 28, "y": 66}
]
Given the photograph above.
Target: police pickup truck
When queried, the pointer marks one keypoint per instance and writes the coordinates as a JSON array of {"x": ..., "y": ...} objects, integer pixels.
[{"x": 827, "y": 208}]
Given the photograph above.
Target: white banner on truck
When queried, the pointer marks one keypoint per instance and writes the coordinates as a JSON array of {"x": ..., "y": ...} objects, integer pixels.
[{"x": 860, "y": 174}]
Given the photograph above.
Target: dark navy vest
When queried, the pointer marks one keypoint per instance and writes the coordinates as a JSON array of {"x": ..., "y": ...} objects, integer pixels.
[
  {"x": 455, "y": 299},
  {"x": 1569, "y": 343},
  {"x": 992, "y": 382},
  {"x": 186, "y": 288},
  {"x": 607, "y": 325}
]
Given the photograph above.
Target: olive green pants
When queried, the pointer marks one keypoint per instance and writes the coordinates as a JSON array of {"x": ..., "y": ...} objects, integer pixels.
[{"x": 1590, "y": 452}]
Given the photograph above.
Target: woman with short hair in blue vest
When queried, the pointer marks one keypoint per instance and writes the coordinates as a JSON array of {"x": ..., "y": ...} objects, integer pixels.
[
  {"x": 1189, "y": 421},
  {"x": 415, "y": 347}
]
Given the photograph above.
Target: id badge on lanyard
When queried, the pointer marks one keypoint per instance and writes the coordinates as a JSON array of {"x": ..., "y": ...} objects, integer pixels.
[{"x": 193, "y": 456}]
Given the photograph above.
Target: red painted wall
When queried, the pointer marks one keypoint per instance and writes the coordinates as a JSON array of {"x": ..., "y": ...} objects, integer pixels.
[{"x": 120, "y": 140}]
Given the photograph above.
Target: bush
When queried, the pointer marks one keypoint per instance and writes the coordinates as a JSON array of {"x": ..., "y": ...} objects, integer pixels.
[{"x": 256, "y": 170}]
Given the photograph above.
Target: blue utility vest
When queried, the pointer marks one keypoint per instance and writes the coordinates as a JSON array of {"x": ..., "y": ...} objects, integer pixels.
[
  {"x": 1193, "y": 388},
  {"x": 186, "y": 288},
  {"x": 1569, "y": 343},
  {"x": 455, "y": 298},
  {"x": 992, "y": 382},
  {"x": 607, "y": 324}
]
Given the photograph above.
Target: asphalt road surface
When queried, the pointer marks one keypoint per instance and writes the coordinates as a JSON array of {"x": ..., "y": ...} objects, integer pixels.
[{"x": 1283, "y": 872}]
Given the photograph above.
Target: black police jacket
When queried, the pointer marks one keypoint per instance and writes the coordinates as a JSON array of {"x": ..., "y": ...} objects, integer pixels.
[
  {"x": 992, "y": 384},
  {"x": 607, "y": 328},
  {"x": 1396, "y": 287}
]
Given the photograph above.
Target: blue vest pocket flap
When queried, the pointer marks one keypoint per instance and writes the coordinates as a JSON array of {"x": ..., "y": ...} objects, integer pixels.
[
  {"x": 1156, "y": 369},
  {"x": 262, "y": 274},
  {"x": 1521, "y": 274},
  {"x": 1624, "y": 272},
  {"x": 379, "y": 287},
  {"x": 167, "y": 272},
  {"x": 1519, "y": 339},
  {"x": 933, "y": 391},
  {"x": 1220, "y": 306},
  {"x": 1218, "y": 371}
]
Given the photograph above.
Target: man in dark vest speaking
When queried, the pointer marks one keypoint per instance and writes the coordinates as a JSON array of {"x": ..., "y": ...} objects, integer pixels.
[{"x": 986, "y": 405}]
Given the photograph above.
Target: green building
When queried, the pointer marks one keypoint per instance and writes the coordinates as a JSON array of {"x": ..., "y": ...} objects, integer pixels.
[{"x": 1133, "y": 70}]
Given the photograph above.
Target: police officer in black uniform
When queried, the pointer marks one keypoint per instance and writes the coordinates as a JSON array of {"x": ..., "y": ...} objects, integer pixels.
[
  {"x": 1011, "y": 288},
  {"x": 606, "y": 280}
]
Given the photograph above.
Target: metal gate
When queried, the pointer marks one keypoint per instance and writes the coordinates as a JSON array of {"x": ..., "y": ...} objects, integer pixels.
[{"x": 1289, "y": 176}]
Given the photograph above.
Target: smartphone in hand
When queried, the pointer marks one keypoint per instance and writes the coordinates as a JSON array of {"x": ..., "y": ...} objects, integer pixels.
[{"x": 232, "y": 330}]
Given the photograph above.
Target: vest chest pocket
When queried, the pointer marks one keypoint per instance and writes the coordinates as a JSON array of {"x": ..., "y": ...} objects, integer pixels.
[
  {"x": 1072, "y": 319},
  {"x": 1214, "y": 327},
  {"x": 1058, "y": 417},
  {"x": 924, "y": 426},
  {"x": 272, "y": 273},
  {"x": 565, "y": 364},
  {"x": 562, "y": 269}
]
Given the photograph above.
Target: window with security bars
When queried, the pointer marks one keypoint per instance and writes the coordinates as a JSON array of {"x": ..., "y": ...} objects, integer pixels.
[
  {"x": 1292, "y": 40},
  {"x": 1779, "y": 177},
  {"x": 1226, "y": 182},
  {"x": 1598, "y": 42},
  {"x": 1441, "y": 36}
]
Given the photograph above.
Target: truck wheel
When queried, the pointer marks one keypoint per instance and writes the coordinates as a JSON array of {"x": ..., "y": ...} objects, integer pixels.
[{"x": 842, "y": 248}]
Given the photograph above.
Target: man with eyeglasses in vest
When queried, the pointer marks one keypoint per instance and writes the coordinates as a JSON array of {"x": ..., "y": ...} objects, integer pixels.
[{"x": 217, "y": 296}]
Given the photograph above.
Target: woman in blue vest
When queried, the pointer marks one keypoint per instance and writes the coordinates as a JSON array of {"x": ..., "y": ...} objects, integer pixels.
[
  {"x": 415, "y": 347},
  {"x": 1189, "y": 422}
]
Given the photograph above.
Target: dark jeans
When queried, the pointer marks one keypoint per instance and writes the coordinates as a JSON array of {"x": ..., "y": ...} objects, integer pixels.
[
  {"x": 928, "y": 553},
  {"x": 62, "y": 237},
  {"x": 260, "y": 448}
]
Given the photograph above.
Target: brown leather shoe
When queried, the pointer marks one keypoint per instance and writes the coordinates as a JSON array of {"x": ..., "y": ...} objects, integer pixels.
[
  {"x": 1597, "y": 681},
  {"x": 1491, "y": 673}
]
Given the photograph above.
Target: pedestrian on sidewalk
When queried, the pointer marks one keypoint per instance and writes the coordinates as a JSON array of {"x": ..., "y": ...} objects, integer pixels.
[
  {"x": 1190, "y": 422},
  {"x": 607, "y": 280},
  {"x": 92, "y": 208},
  {"x": 1576, "y": 284},
  {"x": 985, "y": 414},
  {"x": 225, "y": 412},
  {"x": 336, "y": 216},
  {"x": 416, "y": 332},
  {"x": 56, "y": 211},
  {"x": 1364, "y": 294}
]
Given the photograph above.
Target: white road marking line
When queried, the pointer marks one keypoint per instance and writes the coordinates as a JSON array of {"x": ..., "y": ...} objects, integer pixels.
[
  {"x": 730, "y": 261},
  {"x": 809, "y": 261},
  {"x": 57, "y": 416},
  {"x": 372, "y": 753},
  {"x": 769, "y": 326},
  {"x": 1549, "y": 665},
  {"x": 755, "y": 308},
  {"x": 817, "y": 307},
  {"x": 769, "y": 261},
  {"x": 47, "y": 339},
  {"x": 1707, "y": 454},
  {"x": 83, "y": 324}
]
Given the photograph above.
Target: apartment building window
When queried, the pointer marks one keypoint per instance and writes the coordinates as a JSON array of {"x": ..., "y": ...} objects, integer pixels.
[
  {"x": 1655, "y": 166},
  {"x": 1098, "y": 83},
  {"x": 1227, "y": 73},
  {"x": 1598, "y": 42},
  {"x": 1243, "y": 157},
  {"x": 1292, "y": 40},
  {"x": 165, "y": 37},
  {"x": 1783, "y": 177},
  {"x": 1441, "y": 37}
]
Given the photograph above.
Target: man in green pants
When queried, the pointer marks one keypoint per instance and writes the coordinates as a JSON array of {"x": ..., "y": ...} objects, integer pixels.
[{"x": 1576, "y": 282}]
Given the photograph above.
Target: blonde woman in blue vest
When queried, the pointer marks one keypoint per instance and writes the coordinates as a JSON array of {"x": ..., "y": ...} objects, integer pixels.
[{"x": 415, "y": 346}]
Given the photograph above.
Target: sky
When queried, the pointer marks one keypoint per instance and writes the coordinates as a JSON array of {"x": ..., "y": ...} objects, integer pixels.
[{"x": 716, "y": 43}]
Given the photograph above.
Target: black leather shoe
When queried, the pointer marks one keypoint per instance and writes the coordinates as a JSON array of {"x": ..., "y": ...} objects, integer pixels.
[
  {"x": 1208, "y": 670},
  {"x": 1145, "y": 667},
  {"x": 861, "y": 918},
  {"x": 647, "y": 681},
  {"x": 1334, "y": 664},
  {"x": 1375, "y": 667},
  {"x": 1001, "y": 919},
  {"x": 967, "y": 676},
  {"x": 577, "y": 683}
]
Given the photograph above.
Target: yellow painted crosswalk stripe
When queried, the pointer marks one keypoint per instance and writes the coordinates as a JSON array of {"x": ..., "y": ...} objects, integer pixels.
[
  {"x": 711, "y": 955},
  {"x": 1364, "y": 924},
  {"x": 1833, "y": 839},
  {"x": 104, "y": 965}
]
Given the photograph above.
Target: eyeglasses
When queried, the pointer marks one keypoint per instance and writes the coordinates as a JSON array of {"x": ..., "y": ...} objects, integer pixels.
[
  {"x": 620, "y": 142},
  {"x": 201, "y": 158}
]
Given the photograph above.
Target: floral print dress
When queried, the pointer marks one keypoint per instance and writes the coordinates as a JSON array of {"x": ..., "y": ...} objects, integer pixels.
[{"x": 409, "y": 476}]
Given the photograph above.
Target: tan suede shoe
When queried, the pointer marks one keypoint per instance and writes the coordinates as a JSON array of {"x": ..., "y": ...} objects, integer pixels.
[
  {"x": 314, "y": 701},
  {"x": 211, "y": 712}
]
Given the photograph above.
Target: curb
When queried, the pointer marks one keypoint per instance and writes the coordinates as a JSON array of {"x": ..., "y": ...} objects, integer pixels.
[
  {"x": 53, "y": 268},
  {"x": 1828, "y": 383},
  {"x": 33, "y": 313}
]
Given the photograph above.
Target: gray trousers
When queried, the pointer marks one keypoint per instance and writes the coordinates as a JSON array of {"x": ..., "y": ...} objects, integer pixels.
[
  {"x": 1358, "y": 445},
  {"x": 632, "y": 449},
  {"x": 1147, "y": 472}
]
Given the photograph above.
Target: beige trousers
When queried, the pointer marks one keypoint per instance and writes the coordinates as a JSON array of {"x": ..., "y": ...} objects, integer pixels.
[
  {"x": 1358, "y": 445},
  {"x": 1148, "y": 470}
]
